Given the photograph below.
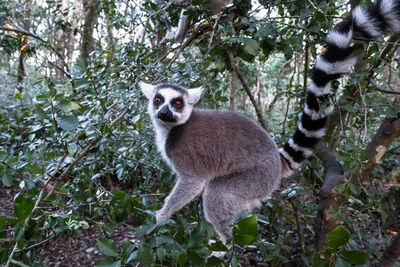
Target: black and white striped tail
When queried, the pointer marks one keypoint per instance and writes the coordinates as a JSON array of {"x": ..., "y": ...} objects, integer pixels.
[{"x": 337, "y": 60}]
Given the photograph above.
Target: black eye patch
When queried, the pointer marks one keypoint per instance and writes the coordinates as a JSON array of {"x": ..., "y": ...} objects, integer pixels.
[
  {"x": 158, "y": 100},
  {"x": 177, "y": 103}
]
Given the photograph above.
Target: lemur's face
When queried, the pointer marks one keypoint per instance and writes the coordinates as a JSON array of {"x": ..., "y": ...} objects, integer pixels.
[{"x": 170, "y": 105}]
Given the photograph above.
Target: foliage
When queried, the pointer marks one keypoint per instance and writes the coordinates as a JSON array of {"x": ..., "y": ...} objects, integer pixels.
[{"x": 59, "y": 134}]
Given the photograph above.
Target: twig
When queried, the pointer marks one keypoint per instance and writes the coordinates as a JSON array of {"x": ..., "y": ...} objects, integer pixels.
[
  {"x": 19, "y": 30},
  {"x": 25, "y": 32},
  {"x": 37, "y": 244},
  {"x": 382, "y": 56},
  {"x": 186, "y": 43},
  {"x": 386, "y": 91},
  {"x": 248, "y": 91},
  {"x": 298, "y": 224}
]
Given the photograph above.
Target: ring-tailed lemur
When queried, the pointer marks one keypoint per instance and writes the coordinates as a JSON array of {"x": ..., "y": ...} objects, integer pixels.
[{"x": 227, "y": 157}]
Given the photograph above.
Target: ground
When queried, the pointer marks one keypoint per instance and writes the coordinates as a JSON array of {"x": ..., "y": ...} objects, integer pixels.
[{"x": 66, "y": 250}]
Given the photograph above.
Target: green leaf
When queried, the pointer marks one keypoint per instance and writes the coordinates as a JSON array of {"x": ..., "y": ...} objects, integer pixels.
[
  {"x": 317, "y": 261},
  {"x": 107, "y": 247},
  {"x": 2, "y": 221},
  {"x": 235, "y": 261},
  {"x": 42, "y": 114},
  {"x": 69, "y": 106},
  {"x": 19, "y": 263},
  {"x": 214, "y": 261},
  {"x": 68, "y": 122},
  {"x": 196, "y": 239},
  {"x": 337, "y": 237},
  {"x": 6, "y": 178},
  {"x": 34, "y": 169},
  {"x": 146, "y": 229},
  {"x": 194, "y": 258},
  {"x": 72, "y": 147},
  {"x": 107, "y": 262},
  {"x": 145, "y": 254},
  {"x": 132, "y": 256},
  {"x": 161, "y": 252},
  {"x": 245, "y": 231},
  {"x": 251, "y": 46},
  {"x": 219, "y": 62},
  {"x": 354, "y": 189},
  {"x": 340, "y": 262},
  {"x": 23, "y": 207},
  {"x": 356, "y": 257},
  {"x": 18, "y": 96},
  {"x": 218, "y": 246},
  {"x": 127, "y": 249}
]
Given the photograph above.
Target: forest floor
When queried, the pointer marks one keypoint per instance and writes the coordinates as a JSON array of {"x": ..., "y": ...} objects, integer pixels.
[{"x": 73, "y": 249}]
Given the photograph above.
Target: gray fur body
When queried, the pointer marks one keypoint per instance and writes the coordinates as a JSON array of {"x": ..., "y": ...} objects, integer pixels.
[{"x": 227, "y": 156}]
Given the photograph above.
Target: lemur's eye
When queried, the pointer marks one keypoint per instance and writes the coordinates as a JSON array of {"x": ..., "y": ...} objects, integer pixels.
[
  {"x": 178, "y": 104},
  {"x": 157, "y": 100}
]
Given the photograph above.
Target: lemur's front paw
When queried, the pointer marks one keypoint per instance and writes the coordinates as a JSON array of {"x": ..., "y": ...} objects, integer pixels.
[{"x": 161, "y": 217}]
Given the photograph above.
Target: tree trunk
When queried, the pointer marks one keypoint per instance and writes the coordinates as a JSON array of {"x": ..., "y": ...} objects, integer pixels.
[
  {"x": 23, "y": 48},
  {"x": 159, "y": 32},
  {"x": 71, "y": 35},
  {"x": 60, "y": 40},
  {"x": 234, "y": 82},
  {"x": 110, "y": 37},
  {"x": 90, "y": 8}
]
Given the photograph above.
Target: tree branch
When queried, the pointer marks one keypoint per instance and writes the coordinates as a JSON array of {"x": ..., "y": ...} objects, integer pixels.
[
  {"x": 22, "y": 31},
  {"x": 334, "y": 176},
  {"x": 392, "y": 252},
  {"x": 248, "y": 91},
  {"x": 386, "y": 134}
]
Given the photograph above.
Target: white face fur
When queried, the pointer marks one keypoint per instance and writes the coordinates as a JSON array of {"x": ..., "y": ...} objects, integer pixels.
[{"x": 170, "y": 105}]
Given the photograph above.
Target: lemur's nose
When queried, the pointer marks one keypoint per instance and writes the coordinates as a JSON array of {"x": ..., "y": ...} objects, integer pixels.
[
  {"x": 166, "y": 115},
  {"x": 164, "y": 111}
]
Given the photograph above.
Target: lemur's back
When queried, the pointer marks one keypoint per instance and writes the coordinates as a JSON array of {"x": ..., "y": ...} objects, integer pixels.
[{"x": 217, "y": 143}]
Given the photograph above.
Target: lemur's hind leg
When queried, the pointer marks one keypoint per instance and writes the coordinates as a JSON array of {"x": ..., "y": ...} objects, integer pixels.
[
  {"x": 222, "y": 206},
  {"x": 227, "y": 197},
  {"x": 219, "y": 210}
]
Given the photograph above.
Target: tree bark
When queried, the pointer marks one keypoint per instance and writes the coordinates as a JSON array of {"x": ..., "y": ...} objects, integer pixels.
[
  {"x": 90, "y": 9},
  {"x": 71, "y": 34},
  {"x": 391, "y": 253},
  {"x": 23, "y": 48},
  {"x": 234, "y": 82},
  {"x": 60, "y": 40},
  {"x": 110, "y": 36},
  {"x": 334, "y": 176},
  {"x": 386, "y": 134}
]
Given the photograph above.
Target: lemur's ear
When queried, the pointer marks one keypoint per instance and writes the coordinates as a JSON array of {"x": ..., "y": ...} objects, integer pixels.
[
  {"x": 147, "y": 89},
  {"x": 195, "y": 95}
]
